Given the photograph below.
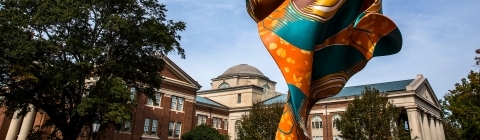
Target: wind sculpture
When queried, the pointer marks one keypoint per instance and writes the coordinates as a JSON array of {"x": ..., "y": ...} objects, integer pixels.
[{"x": 318, "y": 45}]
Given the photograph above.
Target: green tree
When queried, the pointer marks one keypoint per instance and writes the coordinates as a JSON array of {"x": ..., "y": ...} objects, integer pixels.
[
  {"x": 450, "y": 128},
  {"x": 204, "y": 132},
  {"x": 261, "y": 122},
  {"x": 372, "y": 117},
  {"x": 464, "y": 107},
  {"x": 50, "y": 48}
]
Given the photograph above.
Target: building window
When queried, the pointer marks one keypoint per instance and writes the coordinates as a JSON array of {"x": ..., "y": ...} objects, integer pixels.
[
  {"x": 239, "y": 98},
  {"x": 146, "y": 126},
  {"x": 123, "y": 127},
  {"x": 224, "y": 85},
  {"x": 177, "y": 103},
  {"x": 126, "y": 127},
  {"x": 150, "y": 129},
  {"x": 335, "y": 117},
  {"x": 132, "y": 93},
  {"x": 237, "y": 127},
  {"x": 316, "y": 122},
  {"x": 225, "y": 126},
  {"x": 217, "y": 123},
  {"x": 158, "y": 100},
  {"x": 266, "y": 86},
  {"x": 202, "y": 119},
  {"x": 174, "y": 129},
  {"x": 214, "y": 125}
]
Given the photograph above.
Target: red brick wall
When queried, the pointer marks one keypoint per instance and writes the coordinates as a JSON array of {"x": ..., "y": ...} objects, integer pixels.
[
  {"x": 327, "y": 120},
  {"x": 164, "y": 116},
  {"x": 211, "y": 110}
]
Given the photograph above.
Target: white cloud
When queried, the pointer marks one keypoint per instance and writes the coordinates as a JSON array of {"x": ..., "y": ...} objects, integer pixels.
[{"x": 439, "y": 42}]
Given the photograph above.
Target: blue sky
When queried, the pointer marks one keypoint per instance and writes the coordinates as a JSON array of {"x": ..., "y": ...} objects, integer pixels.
[{"x": 440, "y": 38}]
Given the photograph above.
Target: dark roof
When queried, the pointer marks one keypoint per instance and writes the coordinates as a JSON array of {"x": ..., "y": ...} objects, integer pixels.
[
  {"x": 356, "y": 90},
  {"x": 208, "y": 101},
  {"x": 243, "y": 70},
  {"x": 382, "y": 87},
  {"x": 280, "y": 98}
]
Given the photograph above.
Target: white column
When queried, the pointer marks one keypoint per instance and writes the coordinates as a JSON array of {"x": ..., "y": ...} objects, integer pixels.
[
  {"x": 438, "y": 129},
  {"x": 414, "y": 122},
  {"x": 426, "y": 127},
  {"x": 27, "y": 124},
  {"x": 442, "y": 132},
  {"x": 432, "y": 128},
  {"x": 14, "y": 126}
]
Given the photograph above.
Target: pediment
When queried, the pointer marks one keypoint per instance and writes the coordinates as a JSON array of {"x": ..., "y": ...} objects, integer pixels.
[
  {"x": 425, "y": 92},
  {"x": 174, "y": 74}
]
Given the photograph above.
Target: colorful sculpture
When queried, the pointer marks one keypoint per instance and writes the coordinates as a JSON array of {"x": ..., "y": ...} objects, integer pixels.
[{"x": 318, "y": 45}]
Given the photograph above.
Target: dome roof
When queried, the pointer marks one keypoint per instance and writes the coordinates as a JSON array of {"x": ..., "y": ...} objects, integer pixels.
[{"x": 242, "y": 70}]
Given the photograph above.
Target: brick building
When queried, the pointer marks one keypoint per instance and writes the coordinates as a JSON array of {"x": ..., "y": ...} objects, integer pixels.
[
  {"x": 173, "y": 116},
  {"x": 181, "y": 107}
]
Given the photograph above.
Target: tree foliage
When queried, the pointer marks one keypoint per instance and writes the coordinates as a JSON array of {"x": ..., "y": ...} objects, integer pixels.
[
  {"x": 463, "y": 107},
  {"x": 261, "y": 122},
  {"x": 49, "y": 48},
  {"x": 372, "y": 117},
  {"x": 204, "y": 132}
]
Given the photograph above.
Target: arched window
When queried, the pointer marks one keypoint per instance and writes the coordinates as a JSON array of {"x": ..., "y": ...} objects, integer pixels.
[
  {"x": 224, "y": 85},
  {"x": 316, "y": 122},
  {"x": 238, "y": 123},
  {"x": 335, "y": 117},
  {"x": 266, "y": 86}
]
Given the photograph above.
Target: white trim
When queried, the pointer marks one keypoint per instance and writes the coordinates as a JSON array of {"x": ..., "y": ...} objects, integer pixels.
[
  {"x": 178, "y": 82},
  {"x": 179, "y": 72},
  {"x": 213, "y": 115},
  {"x": 168, "y": 93}
]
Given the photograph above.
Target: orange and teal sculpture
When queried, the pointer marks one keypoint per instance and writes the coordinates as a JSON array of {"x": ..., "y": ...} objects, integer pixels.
[{"x": 318, "y": 45}]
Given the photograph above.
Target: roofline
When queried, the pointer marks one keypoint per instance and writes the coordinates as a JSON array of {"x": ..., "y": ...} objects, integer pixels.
[
  {"x": 381, "y": 83},
  {"x": 210, "y": 100},
  {"x": 180, "y": 70},
  {"x": 213, "y": 106},
  {"x": 273, "y": 97},
  {"x": 229, "y": 89},
  {"x": 235, "y": 75}
]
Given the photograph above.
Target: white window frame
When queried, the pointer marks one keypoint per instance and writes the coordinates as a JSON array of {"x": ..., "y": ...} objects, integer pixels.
[
  {"x": 215, "y": 122},
  {"x": 133, "y": 93},
  {"x": 334, "y": 125},
  {"x": 158, "y": 99},
  {"x": 123, "y": 127},
  {"x": 173, "y": 126},
  {"x": 225, "y": 124},
  {"x": 317, "y": 121},
  {"x": 177, "y": 103},
  {"x": 201, "y": 119},
  {"x": 150, "y": 127}
]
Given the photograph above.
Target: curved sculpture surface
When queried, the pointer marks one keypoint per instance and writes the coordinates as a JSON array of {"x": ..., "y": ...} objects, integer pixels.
[{"x": 319, "y": 45}]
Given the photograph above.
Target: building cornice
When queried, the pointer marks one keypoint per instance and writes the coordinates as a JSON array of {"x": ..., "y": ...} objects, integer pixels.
[
  {"x": 212, "y": 106},
  {"x": 234, "y": 88},
  {"x": 169, "y": 80}
]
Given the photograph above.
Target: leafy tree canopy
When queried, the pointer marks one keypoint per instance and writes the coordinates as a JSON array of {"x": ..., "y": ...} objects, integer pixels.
[
  {"x": 261, "y": 122},
  {"x": 50, "y": 49},
  {"x": 463, "y": 107},
  {"x": 204, "y": 132},
  {"x": 372, "y": 117}
]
